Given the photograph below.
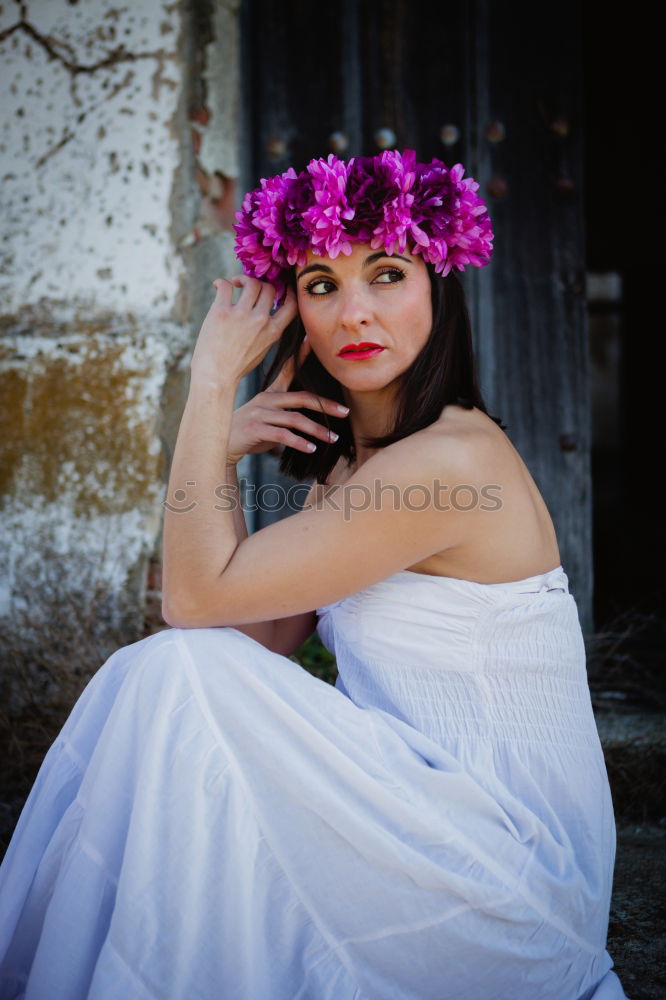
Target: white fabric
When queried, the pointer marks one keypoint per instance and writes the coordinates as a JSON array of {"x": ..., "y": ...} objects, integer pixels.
[{"x": 214, "y": 822}]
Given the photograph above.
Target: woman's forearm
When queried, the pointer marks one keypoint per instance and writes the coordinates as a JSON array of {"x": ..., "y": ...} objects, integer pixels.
[
  {"x": 203, "y": 523},
  {"x": 263, "y": 632},
  {"x": 201, "y": 527},
  {"x": 202, "y": 530}
]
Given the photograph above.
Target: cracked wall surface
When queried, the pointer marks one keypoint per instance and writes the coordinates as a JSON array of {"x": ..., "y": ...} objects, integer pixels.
[
  {"x": 87, "y": 154},
  {"x": 111, "y": 233}
]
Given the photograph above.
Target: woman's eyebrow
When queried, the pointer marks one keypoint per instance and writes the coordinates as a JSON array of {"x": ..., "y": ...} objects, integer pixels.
[{"x": 370, "y": 259}]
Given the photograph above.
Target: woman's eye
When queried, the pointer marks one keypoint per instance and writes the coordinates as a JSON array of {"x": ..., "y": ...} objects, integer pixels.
[
  {"x": 323, "y": 286},
  {"x": 390, "y": 276},
  {"x": 316, "y": 287}
]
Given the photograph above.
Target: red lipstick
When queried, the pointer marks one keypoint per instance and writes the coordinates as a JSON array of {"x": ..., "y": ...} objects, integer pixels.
[{"x": 356, "y": 352}]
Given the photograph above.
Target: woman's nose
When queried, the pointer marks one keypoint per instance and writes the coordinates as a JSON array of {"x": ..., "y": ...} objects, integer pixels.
[{"x": 355, "y": 309}]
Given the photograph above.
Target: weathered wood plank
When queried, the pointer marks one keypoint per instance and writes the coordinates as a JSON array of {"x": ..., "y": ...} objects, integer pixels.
[{"x": 529, "y": 305}]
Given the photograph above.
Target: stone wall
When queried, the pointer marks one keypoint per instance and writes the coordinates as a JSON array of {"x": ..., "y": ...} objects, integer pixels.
[{"x": 119, "y": 163}]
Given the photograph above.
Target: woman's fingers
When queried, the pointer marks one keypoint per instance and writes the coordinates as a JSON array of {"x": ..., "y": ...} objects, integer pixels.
[
  {"x": 224, "y": 291},
  {"x": 250, "y": 289},
  {"x": 255, "y": 294},
  {"x": 288, "y": 438},
  {"x": 275, "y": 430},
  {"x": 299, "y": 422},
  {"x": 252, "y": 319},
  {"x": 256, "y": 427},
  {"x": 273, "y": 418},
  {"x": 264, "y": 300},
  {"x": 235, "y": 337},
  {"x": 301, "y": 399},
  {"x": 286, "y": 312},
  {"x": 259, "y": 295}
]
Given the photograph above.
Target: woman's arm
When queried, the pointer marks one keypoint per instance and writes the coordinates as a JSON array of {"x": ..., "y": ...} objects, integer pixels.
[
  {"x": 284, "y": 635},
  {"x": 319, "y": 555},
  {"x": 263, "y": 632},
  {"x": 256, "y": 426}
]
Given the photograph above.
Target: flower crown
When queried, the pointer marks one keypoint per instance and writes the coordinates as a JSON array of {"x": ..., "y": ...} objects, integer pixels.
[{"x": 388, "y": 201}]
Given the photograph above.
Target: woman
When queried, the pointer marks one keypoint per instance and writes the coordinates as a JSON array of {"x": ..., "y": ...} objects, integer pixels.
[{"x": 213, "y": 821}]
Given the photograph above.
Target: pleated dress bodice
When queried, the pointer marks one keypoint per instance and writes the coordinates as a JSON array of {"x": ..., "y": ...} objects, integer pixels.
[{"x": 459, "y": 659}]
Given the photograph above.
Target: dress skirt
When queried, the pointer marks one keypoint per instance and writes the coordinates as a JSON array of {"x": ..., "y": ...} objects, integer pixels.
[{"x": 214, "y": 822}]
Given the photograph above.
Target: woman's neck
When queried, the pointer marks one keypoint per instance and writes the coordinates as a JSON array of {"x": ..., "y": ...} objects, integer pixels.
[{"x": 371, "y": 415}]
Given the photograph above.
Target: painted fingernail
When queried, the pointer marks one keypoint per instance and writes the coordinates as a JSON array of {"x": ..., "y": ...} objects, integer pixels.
[
  {"x": 311, "y": 446},
  {"x": 332, "y": 436},
  {"x": 343, "y": 409}
]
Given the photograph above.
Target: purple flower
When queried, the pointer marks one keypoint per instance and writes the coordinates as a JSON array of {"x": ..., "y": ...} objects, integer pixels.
[
  {"x": 325, "y": 219},
  {"x": 298, "y": 198},
  {"x": 398, "y": 225},
  {"x": 258, "y": 252},
  {"x": 369, "y": 185},
  {"x": 453, "y": 217},
  {"x": 389, "y": 201},
  {"x": 268, "y": 215},
  {"x": 256, "y": 259}
]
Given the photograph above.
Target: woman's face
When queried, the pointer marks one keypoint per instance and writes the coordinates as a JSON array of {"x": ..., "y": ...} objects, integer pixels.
[{"x": 366, "y": 298}]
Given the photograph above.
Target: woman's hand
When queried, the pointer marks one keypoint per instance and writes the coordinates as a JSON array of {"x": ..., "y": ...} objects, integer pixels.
[
  {"x": 234, "y": 338},
  {"x": 266, "y": 419}
]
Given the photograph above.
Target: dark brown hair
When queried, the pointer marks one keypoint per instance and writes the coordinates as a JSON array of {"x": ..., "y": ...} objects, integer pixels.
[{"x": 444, "y": 372}]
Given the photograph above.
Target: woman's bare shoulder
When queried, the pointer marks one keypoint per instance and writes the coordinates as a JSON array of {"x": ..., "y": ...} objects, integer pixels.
[
  {"x": 460, "y": 440},
  {"x": 456, "y": 423}
]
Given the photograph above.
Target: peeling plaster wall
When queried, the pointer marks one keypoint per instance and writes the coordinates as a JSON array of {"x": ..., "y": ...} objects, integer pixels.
[
  {"x": 111, "y": 232},
  {"x": 88, "y": 154},
  {"x": 219, "y": 149},
  {"x": 82, "y": 463}
]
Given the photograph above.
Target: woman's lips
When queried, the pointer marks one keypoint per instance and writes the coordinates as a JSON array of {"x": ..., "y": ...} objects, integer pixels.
[{"x": 356, "y": 352}]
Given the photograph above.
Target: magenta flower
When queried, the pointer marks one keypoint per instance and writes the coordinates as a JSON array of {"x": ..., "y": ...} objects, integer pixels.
[
  {"x": 389, "y": 201},
  {"x": 298, "y": 198},
  {"x": 369, "y": 184},
  {"x": 325, "y": 219},
  {"x": 453, "y": 216},
  {"x": 256, "y": 258}
]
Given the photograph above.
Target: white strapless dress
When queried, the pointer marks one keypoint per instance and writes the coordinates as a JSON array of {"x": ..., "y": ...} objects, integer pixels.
[{"x": 214, "y": 823}]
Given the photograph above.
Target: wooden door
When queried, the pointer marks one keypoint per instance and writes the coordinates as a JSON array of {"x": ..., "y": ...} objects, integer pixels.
[{"x": 497, "y": 87}]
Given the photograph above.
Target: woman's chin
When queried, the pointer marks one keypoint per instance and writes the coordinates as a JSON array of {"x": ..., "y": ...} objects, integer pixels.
[
  {"x": 358, "y": 379},
  {"x": 363, "y": 382}
]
